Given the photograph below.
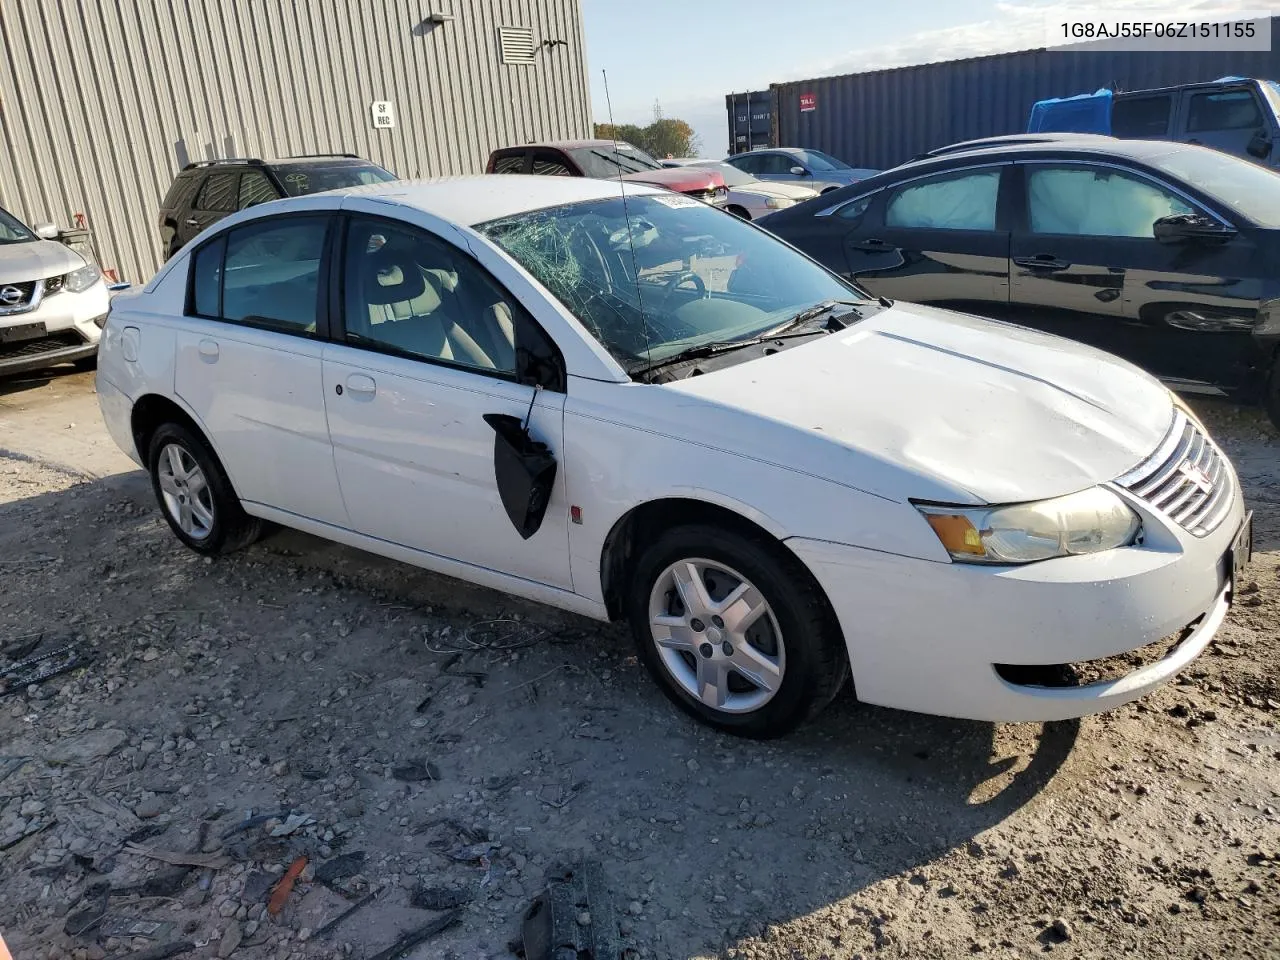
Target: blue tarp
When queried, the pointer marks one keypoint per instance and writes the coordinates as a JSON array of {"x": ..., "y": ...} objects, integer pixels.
[{"x": 1085, "y": 113}]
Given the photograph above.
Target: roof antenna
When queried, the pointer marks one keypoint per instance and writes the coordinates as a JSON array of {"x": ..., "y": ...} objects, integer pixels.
[{"x": 626, "y": 213}]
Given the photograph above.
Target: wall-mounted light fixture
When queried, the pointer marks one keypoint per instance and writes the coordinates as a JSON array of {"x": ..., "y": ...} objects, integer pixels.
[{"x": 439, "y": 17}]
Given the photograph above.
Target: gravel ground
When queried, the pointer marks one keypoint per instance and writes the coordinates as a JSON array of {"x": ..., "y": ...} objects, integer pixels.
[{"x": 441, "y": 745}]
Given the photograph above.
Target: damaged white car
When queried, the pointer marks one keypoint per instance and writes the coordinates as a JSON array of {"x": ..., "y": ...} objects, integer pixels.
[{"x": 639, "y": 407}]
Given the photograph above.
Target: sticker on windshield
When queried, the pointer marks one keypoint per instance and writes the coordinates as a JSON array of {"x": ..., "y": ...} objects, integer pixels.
[{"x": 677, "y": 200}]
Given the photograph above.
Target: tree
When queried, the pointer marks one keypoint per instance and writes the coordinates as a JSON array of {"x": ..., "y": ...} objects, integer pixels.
[{"x": 666, "y": 135}]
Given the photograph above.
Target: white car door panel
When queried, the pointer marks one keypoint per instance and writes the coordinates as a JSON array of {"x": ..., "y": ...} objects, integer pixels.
[
  {"x": 415, "y": 460},
  {"x": 261, "y": 394}
]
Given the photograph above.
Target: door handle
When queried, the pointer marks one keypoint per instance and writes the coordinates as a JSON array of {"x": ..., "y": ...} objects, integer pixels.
[
  {"x": 1042, "y": 261},
  {"x": 361, "y": 385},
  {"x": 209, "y": 351},
  {"x": 872, "y": 244},
  {"x": 192, "y": 222}
]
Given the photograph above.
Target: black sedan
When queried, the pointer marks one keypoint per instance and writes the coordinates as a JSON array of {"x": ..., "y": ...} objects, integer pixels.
[{"x": 1167, "y": 254}]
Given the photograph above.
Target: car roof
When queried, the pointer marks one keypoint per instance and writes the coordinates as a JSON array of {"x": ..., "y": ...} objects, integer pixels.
[
  {"x": 1009, "y": 139},
  {"x": 1198, "y": 85},
  {"x": 1081, "y": 144},
  {"x": 569, "y": 145},
  {"x": 479, "y": 199}
]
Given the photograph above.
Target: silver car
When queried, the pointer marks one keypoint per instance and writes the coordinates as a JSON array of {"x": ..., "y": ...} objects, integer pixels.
[
  {"x": 812, "y": 168},
  {"x": 749, "y": 197}
]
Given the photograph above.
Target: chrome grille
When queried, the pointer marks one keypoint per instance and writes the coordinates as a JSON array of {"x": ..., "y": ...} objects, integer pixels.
[{"x": 1187, "y": 478}]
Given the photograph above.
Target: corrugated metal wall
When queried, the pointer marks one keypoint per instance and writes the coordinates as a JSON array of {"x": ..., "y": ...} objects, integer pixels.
[
  {"x": 884, "y": 118},
  {"x": 102, "y": 101}
]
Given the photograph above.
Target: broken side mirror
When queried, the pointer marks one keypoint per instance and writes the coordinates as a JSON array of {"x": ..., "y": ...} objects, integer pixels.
[
  {"x": 1184, "y": 227},
  {"x": 1259, "y": 145},
  {"x": 524, "y": 468}
]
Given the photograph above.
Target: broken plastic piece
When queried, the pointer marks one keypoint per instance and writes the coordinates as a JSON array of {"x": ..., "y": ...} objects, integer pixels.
[
  {"x": 525, "y": 470},
  {"x": 24, "y": 673},
  {"x": 415, "y": 937},
  {"x": 281, "y": 893},
  {"x": 552, "y": 927}
]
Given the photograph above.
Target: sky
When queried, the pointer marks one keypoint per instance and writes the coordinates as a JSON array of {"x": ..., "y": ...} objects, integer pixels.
[{"x": 687, "y": 54}]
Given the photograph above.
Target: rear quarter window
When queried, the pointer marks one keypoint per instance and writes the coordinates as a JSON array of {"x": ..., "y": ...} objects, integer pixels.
[
  {"x": 1139, "y": 117},
  {"x": 181, "y": 192},
  {"x": 509, "y": 163}
]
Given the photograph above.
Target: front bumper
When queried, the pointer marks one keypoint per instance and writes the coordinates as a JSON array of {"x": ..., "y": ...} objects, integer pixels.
[
  {"x": 927, "y": 636},
  {"x": 58, "y": 329}
]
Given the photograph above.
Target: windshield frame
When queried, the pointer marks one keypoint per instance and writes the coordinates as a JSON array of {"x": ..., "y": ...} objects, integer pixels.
[
  {"x": 832, "y": 164},
  {"x": 14, "y": 225},
  {"x": 655, "y": 354},
  {"x": 1164, "y": 166}
]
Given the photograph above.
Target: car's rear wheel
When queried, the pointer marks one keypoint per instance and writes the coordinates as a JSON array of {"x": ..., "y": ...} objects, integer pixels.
[
  {"x": 735, "y": 630},
  {"x": 195, "y": 495},
  {"x": 1271, "y": 399}
]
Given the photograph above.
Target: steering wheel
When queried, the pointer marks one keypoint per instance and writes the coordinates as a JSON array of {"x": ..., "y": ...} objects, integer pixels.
[{"x": 679, "y": 280}]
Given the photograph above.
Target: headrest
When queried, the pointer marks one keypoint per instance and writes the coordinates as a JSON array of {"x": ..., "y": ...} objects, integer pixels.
[{"x": 392, "y": 276}]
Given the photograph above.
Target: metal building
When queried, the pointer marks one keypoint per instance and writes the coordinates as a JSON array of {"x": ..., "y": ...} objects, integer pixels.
[
  {"x": 102, "y": 103},
  {"x": 884, "y": 117}
]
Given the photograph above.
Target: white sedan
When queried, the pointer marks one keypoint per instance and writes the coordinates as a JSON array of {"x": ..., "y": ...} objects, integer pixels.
[{"x": 638, "y": 407}]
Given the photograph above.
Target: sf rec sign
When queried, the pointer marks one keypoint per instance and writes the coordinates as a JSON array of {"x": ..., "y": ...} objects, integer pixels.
[{"x": 808, "y": 102}]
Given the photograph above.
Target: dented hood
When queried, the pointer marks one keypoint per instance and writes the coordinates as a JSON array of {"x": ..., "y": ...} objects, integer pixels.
[{"x": 981, "y": 411}]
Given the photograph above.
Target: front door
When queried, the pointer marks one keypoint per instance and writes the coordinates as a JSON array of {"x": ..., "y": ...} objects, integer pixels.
[
  {"x": 1086, "y": 265},
  {"x": 1230, "y": 120},
  {"x": 248, "y": 363},
  {"x": 939, "y": 240},
  {"x": 428, "y": 348}
]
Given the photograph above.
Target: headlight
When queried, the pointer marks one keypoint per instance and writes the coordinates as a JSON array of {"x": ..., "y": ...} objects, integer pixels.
[
  {"x": 777, "y": 203},
  {"x": 1086, "y": 522},
  {"x": 81, "y": 280}
]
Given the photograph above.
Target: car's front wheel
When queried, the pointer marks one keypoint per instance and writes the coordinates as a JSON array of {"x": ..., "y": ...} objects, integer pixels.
[
  {"x": 735, "y": 630},
  {"x": 195, "y": 495}
]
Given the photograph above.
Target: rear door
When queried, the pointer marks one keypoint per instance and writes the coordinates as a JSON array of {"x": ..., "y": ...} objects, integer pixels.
[
  {"x": 941, "y": 239},
  {"x": 248, "y": 361},
  {"x": 1231, "y": 119},
  {"x": 1086, "y": 265},
  {"x": 218, "y": 196}
]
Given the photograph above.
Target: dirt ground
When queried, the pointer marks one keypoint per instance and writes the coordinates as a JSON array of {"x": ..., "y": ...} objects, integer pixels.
[{"x": 442, "y": 747}]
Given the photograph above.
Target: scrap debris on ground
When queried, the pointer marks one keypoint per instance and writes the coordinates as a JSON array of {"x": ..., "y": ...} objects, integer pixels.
[{"x": 301, "y": 751}]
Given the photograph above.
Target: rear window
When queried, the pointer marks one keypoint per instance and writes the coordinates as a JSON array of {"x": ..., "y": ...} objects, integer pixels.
[
  {"x": 1140, "y": 117},
  {"x": 301, "y": 179},
  {"x": 509, "y": 163},
  {"x": 1228, "y": 110}
]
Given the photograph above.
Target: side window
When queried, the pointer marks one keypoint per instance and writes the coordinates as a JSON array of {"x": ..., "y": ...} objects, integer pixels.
[
  {"x": 206, "y": 279},
  {"x": 854, "y": 209},
  {"x": 1096, "y": 202},
  {"x": 271, "y": 273},
  {"x": 965, "y": 201},
  {"x": 255, "y": 188},
  {"x": 509, "y": 163},
  {"x": 218, "y": 194},
  {"x": 1229, "y": 110},
  {"x": 772, "y": 163},
  {"x": 749, "y": 164},
  {"x": 179, "y": 195},
  {"x": 550, "y": 165},
  {"x": 1139, "y": 117},
  {"x": 413, "y": 294}
]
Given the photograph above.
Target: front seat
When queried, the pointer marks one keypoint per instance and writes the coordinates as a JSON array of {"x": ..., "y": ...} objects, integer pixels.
[{"x": 407, "y": 309}]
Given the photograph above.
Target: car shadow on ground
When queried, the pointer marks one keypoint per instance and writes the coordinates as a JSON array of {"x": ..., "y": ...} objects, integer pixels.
[{"x": 705, "y": 838}]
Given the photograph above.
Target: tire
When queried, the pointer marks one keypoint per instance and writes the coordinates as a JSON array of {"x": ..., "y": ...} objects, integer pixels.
[
  {"x": 213, "y": 522},
  {"x": 795, "y": 631},
  {"x": 1271, "y": 396}
]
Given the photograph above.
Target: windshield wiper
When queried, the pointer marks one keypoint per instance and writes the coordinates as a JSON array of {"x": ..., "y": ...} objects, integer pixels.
[
  {"x": 704, "y": 350},
  {"x": 817, "y": 310}
]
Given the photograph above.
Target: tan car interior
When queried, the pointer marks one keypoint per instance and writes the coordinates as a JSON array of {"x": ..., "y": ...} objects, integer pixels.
[{"x": 409, "y": 297}]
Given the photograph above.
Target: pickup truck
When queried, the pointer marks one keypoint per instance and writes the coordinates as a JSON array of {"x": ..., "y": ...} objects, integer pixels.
[{"x": 1237, "y": 115}]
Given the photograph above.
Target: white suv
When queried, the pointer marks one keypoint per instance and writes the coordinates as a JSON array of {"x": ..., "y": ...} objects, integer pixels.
[{"x": 53, "y": 302}]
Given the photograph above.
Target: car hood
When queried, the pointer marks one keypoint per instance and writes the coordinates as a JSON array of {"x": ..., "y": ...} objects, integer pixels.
[
  {"x": 976, "y": 411},
  {"x": 679, "y": 179},
  {"x": 36, "y": 260},
  {"x": 776, "y": 188}
]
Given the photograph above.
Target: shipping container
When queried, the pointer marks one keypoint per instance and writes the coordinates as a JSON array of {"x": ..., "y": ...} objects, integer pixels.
[
  {"x": 885, "y": 117},
  {"x": 750, "y": 120}
]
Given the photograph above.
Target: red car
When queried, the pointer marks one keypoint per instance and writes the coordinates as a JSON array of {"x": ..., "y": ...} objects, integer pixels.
[{"x": 607, "y": 160}]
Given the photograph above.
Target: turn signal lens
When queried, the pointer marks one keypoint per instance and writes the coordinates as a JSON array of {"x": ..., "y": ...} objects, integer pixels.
[{"x": 957, "y": 533}]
